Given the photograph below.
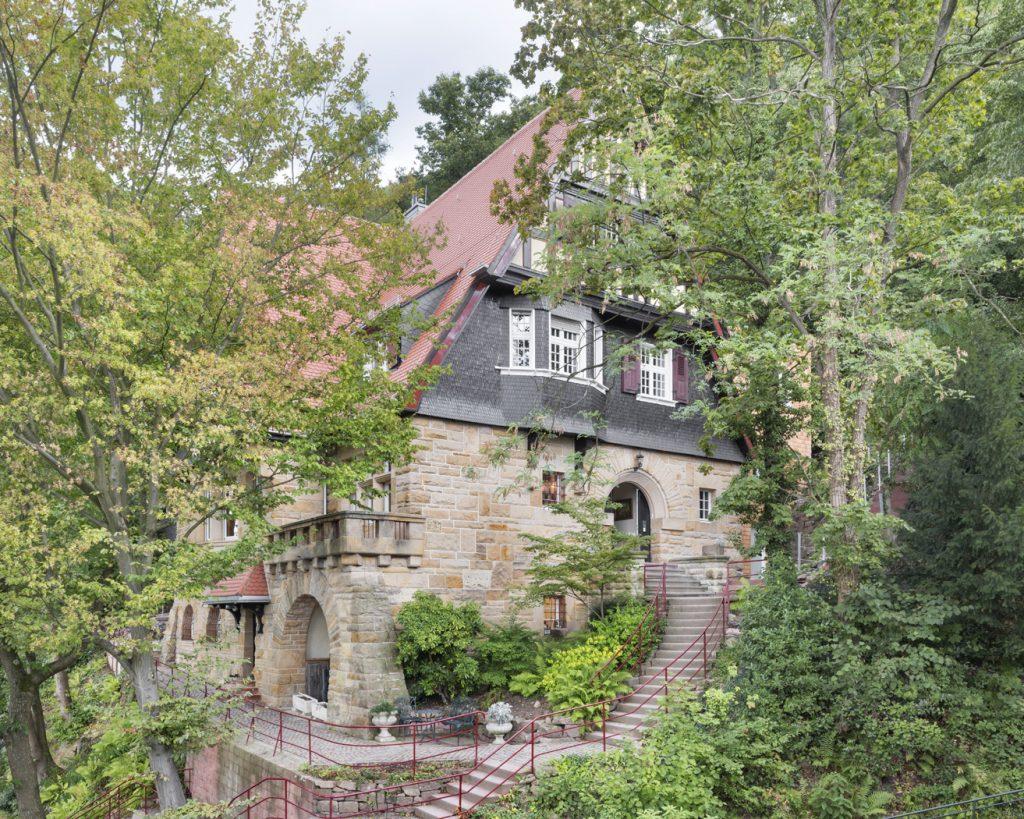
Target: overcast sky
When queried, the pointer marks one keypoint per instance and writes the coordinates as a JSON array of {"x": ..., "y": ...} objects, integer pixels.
[{"x": 408, "y": 43}]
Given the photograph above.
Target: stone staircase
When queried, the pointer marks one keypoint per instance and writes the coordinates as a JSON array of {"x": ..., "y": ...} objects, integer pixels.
[{"x": 691, "y": 606}]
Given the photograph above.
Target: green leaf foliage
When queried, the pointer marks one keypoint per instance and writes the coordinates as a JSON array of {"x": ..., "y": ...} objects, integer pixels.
[
  {"x": 434, "y": 645},
  {"x": 469, "y": 117},
  {"x": 965, "y": 479},
  {"x": 503, "y": 652}
]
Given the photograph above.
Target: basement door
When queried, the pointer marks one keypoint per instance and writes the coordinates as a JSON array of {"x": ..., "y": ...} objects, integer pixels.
[{"x": 318, "y": 674}]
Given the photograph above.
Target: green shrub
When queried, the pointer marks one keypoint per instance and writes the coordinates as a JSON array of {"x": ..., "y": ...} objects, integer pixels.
[
  {"x": 505, "y": 652},
  {"x": 836, "y": 797},
  {"x": 622, "y": 624},
  {"x": 566, "y": 676},
  {"x": 695, "y": 762},
  {"x": 572, "y": 681},
  {"x": 435, "y": 641}
]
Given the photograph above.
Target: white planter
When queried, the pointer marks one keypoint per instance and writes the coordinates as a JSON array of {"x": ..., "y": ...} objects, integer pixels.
[
  {"x": 498, "y": 730},
  {"x": 385, "y": 721},
  {"x": 319, "y": 710},
  {"x": 303, "y": 703}
]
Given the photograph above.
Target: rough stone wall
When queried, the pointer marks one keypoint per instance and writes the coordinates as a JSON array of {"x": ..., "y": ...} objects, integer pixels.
[
  {"x": 363, "y": 670},
  {"x": 476, "y": 513},
  {"x": 475, "y": 516},
  {"x": 222, "y": 772}
]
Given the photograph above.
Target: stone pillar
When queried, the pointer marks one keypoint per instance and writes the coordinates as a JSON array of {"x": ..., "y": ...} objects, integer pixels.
[{"x": 364, "y": 670}]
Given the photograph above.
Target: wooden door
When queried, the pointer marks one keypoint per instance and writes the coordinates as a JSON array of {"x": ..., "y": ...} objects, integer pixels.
[{"x": 318, "y": 674}]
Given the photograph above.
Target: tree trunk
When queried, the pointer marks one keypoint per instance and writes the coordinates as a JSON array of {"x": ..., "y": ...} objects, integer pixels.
[
  {"x": 44, "y": 762},
  {"x": 63, "y": 687},
  {"x": 828, "y": 205},
  {"x": 16, "y": 740},
  {"x": 169, "y": 789}
]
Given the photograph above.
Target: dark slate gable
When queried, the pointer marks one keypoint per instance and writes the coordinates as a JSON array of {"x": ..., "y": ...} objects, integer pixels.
[{"x": 475, "y": 391}]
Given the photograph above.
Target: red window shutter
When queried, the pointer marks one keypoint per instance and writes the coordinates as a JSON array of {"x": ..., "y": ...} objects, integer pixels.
[
  {"x": 680, "y": 376},
  {"x": 631, "y": 374}
]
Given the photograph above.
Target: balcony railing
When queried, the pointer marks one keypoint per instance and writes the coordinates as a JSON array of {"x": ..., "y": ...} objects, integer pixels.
[{"x": 346, "y": 537}]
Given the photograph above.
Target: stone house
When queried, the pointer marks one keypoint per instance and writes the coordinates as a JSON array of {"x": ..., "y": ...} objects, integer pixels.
[{"x": 318, "y": 618}]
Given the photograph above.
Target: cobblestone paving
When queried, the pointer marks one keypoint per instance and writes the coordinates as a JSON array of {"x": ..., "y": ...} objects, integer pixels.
[{"x": 292, "y": 740}]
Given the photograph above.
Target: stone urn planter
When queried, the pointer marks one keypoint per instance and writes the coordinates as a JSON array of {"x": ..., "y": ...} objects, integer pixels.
[
  {"x": 303, "y": 703},
  {"x": 384, "y": 716},
  {"x": 499, "y": 721}
]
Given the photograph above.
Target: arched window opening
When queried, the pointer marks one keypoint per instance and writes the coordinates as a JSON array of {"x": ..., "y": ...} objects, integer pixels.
[
  {"x": 186, "y": 624},
  {"x": 212, "y": 623}
]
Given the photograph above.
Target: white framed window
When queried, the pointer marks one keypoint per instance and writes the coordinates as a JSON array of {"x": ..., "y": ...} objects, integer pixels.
[
  {"x": 567, "y": 350},
  {"x": 376, "y": 493},
  {"x": 230, "y": 529},
  {"x": 598, "y": 353},
  {"x": 655, "y": 372},
  {"x": 207, "y": 530},
  {"x": 520, "y": 334},
  {"x": 704, "y": 500}
]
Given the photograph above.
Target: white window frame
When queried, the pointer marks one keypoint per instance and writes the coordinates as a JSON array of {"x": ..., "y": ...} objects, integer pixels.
[
  {"x": 705, "y": 503},
  {"x": 598, "y": 372},
  {"x": 529, "y": 336},
  {"x": 226, "y": 535},
  {"x": 578, "y": 352},
  {"x": 207, "y": 530},
  {"x": 650, "y": 368}
]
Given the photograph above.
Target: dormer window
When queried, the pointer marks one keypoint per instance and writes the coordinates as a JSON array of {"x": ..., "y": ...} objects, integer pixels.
[
  {"x": 567, "y": 351},
  {"x": 521, "y": 339},
  {"x": 655, "y": 372}
]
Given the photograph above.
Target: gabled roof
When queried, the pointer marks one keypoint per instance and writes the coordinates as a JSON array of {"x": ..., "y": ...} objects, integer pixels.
[{"x": 474, "y": 236}]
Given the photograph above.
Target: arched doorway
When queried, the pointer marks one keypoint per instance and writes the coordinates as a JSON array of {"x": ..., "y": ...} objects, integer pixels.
[
  {"x": 632, "y": 511},
  {"x": 318, "y": 655}
]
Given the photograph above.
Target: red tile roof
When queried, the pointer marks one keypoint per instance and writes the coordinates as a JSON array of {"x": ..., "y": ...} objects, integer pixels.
[
  {"x": 250, "y": 583},
  {"x": 474, "y": 235}
]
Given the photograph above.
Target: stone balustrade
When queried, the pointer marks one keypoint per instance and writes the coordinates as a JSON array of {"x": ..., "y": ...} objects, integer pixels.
[{"x": 348, "y": 539}]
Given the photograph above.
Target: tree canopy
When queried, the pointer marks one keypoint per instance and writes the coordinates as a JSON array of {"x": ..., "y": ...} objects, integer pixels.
[
  {"x": 796, "y": 170},
  {"x": 470, "y": 117},
  {"x": 188, "y": 297}
]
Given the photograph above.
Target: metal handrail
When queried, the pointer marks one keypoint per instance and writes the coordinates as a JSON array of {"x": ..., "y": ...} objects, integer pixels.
[
  {"x": 971, "y": 806},
  {"x": 276, "y": 731},
  {"x": 709, "y": 638},
  {"x": 721, "y": 611}
]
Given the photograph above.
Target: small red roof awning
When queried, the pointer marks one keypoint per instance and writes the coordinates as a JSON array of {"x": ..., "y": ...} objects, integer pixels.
[{"x": 248, "y": 586}]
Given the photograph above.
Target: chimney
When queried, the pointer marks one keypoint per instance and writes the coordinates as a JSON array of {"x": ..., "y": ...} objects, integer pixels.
[{"x": 419, "y": 203}]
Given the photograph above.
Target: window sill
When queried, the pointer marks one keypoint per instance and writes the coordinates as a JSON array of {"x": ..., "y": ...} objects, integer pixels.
[
  {"x": 573, "y": 379},
  {"x": 650, "y": 399}
]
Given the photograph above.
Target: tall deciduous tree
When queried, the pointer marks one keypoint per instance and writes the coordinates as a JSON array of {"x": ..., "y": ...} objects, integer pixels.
[
  {"x": 187, "y": 294},
  {"x": 465, "y": 125},
  {"x": 795, "y": 166}
]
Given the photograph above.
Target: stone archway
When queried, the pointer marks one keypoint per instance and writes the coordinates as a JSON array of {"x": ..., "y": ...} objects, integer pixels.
[
  {"x": 641, "y": 505},
  {"x": 362, "y": 669},
  {"x": 304, "y": 606},
  {"x": 298, "y": 664},
  {"x": 318, "y": 655}
]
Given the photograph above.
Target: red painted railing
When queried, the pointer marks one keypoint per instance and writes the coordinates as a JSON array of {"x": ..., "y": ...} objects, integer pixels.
[
  {"x": 135, "y": 793},
  {"x": 324, "y": 743},
  {"x": 282, "y": 798},
  {"x": 681, "y": 669}
]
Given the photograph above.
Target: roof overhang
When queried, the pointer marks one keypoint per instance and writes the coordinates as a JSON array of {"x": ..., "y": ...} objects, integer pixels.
[{"x": 237, "y": 600}]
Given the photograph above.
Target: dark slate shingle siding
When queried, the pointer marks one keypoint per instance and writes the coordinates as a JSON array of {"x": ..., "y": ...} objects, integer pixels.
[{"x": 474, "y": 390}]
